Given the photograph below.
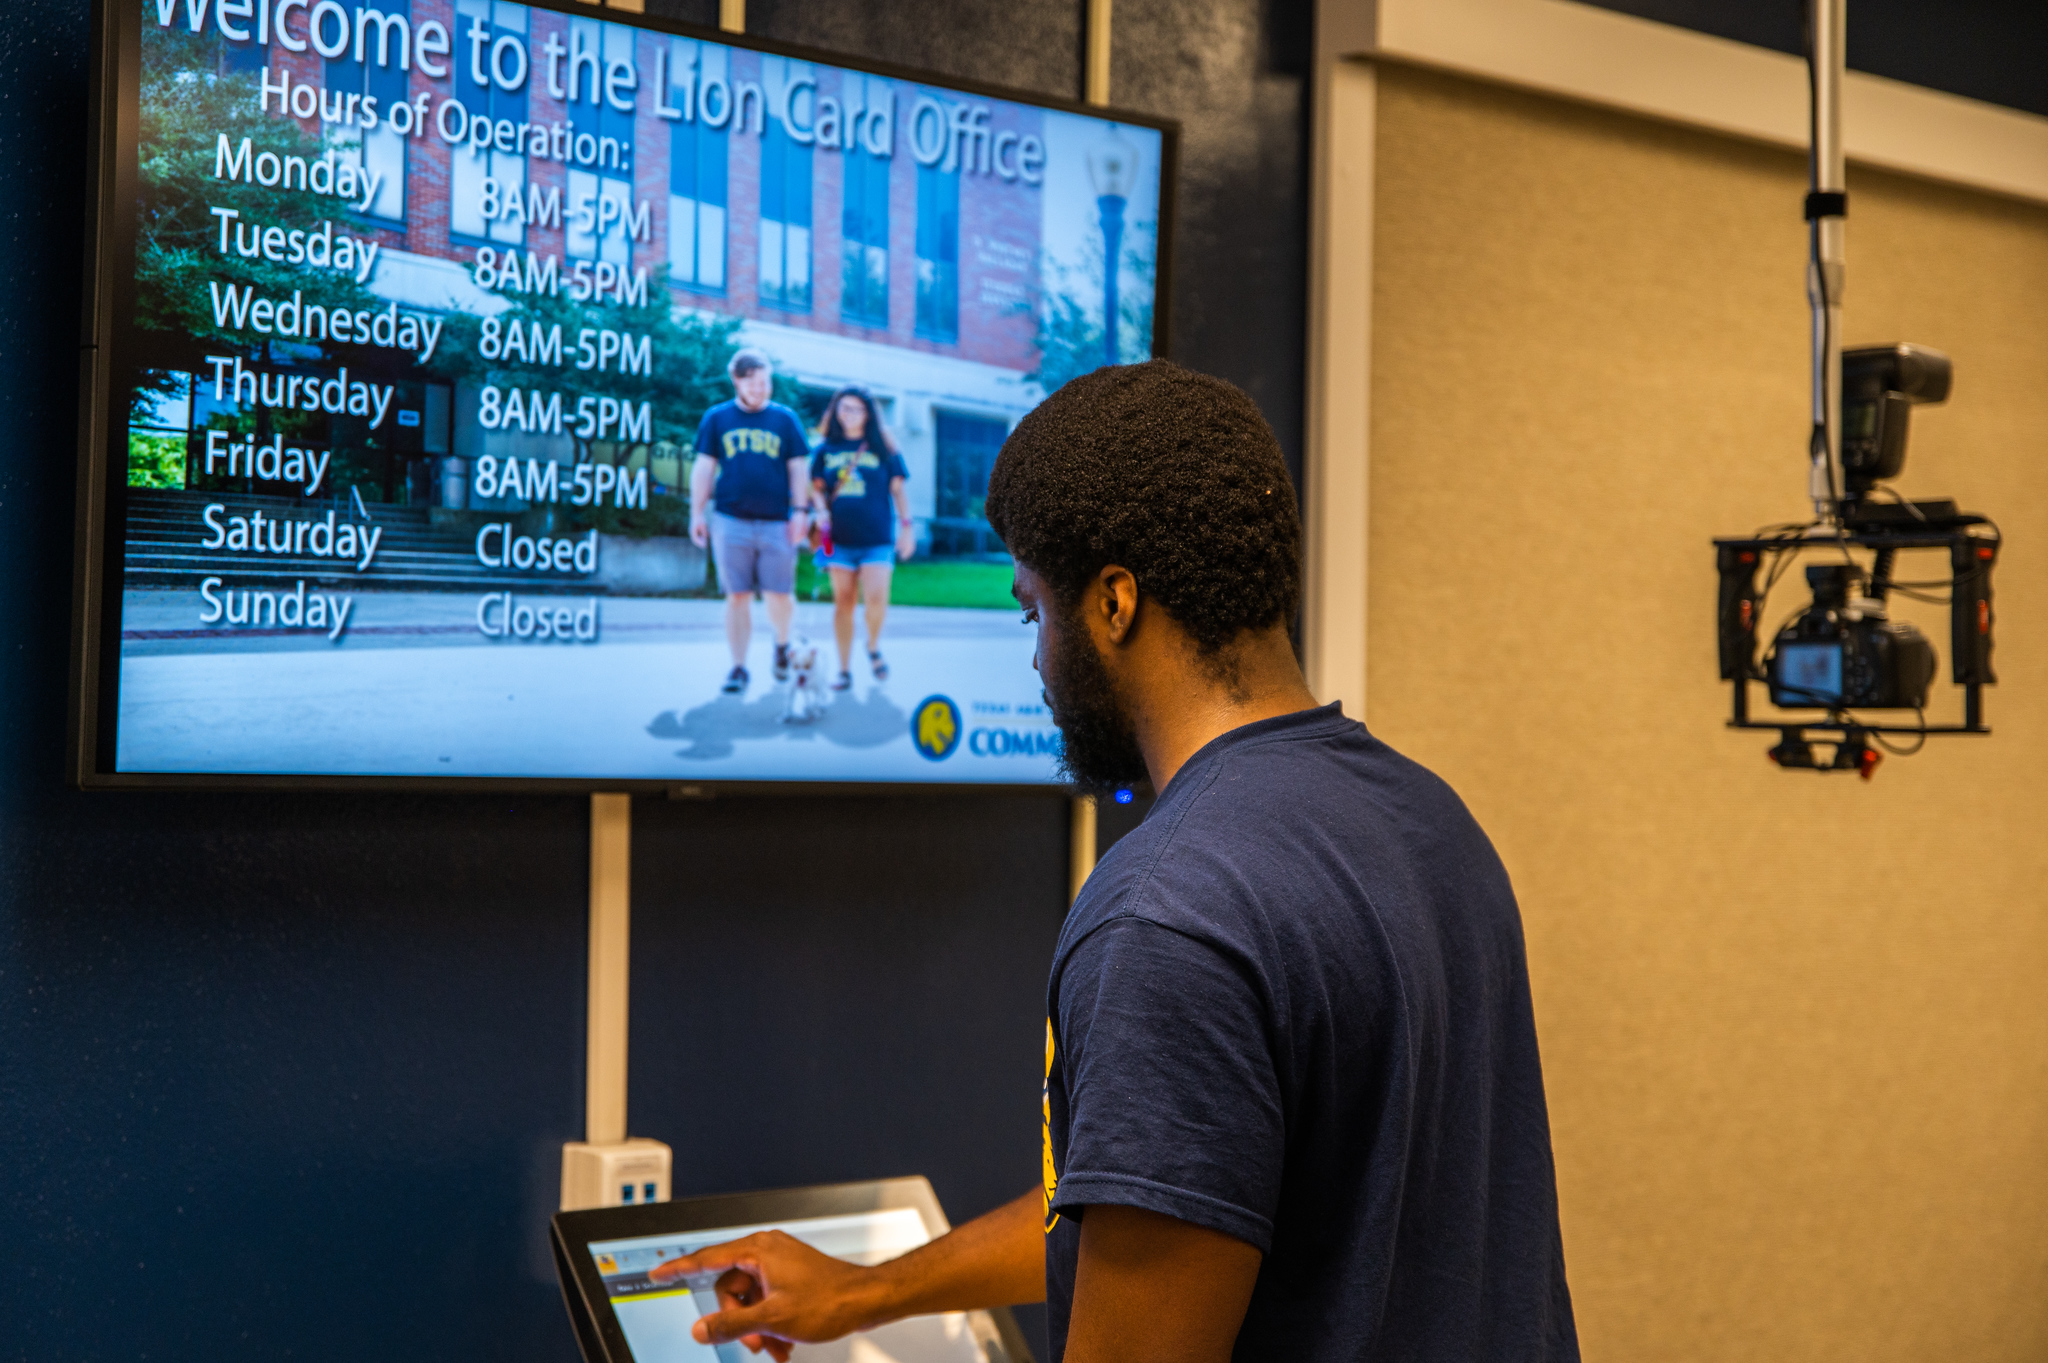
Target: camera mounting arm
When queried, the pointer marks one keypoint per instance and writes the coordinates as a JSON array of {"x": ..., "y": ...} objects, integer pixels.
[{"x": 1826, "y": 209}]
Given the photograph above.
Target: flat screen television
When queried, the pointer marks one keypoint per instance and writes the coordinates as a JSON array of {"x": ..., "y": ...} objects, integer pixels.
[{"x": 453, "y": 368}]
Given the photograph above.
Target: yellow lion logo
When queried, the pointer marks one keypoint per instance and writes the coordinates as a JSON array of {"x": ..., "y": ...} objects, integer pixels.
[{"x": 936, "y": 728}]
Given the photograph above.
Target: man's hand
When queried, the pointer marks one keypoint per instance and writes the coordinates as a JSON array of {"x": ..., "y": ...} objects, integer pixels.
[
  {"x": 700, "y": 530},
  {"x": 799, "y": 527},
  {"x": 1151, "y": 1289},
  {"x": 774, "y": 1291}
]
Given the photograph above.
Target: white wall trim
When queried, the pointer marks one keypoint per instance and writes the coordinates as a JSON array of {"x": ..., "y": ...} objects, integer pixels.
[
  {"x": 1596, "y": 55},
  {"x": 1337, "y": 466}
]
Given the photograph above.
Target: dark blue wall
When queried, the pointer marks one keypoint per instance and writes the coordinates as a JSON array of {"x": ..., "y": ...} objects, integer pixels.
[
  {"x": 1985, "y": 49},
  {"x": 287, "y": 1077}
]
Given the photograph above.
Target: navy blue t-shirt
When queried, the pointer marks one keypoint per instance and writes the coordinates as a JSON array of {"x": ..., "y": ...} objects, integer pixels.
[
  {"x": 753, "y": 450},
  {"x": 856, "y": 481},
  {"x": 1292, "y": 1006}
]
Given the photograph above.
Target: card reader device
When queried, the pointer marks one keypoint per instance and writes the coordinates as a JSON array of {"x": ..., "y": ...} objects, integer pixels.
[{"x": 604, "y": 1256}]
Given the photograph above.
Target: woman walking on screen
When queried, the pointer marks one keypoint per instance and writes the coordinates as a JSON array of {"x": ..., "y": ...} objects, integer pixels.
[{"x": 857, "y": 482}]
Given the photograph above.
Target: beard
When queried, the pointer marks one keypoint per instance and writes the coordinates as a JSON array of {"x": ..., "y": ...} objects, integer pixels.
[{"x": 1098, "y": 743}]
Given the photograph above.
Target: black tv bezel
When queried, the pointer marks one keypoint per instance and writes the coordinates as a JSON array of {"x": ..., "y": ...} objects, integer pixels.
[{"x": 113, "y": 135}]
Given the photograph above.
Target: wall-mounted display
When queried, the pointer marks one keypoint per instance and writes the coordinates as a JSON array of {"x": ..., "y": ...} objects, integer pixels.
[{"x": 492, "y": 391}]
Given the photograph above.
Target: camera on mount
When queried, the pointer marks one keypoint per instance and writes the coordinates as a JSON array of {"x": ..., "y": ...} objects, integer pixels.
[{"x": 1842, "y": 652}]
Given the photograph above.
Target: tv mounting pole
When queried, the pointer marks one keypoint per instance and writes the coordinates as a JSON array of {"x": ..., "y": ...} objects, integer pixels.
[
  {"x": 1082, "y": 844},
  {"x": 1826, "y": 207}
]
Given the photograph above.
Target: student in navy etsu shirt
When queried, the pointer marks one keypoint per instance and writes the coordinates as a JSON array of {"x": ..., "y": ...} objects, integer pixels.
[
  {"x": 750, "y": 500},
  {"x": 1293, "y": 1106}
]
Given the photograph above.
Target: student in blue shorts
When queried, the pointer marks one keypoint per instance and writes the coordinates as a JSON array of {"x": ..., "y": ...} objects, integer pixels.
[
  {"x": 749, "y": 500},
  {"x": 857, "y": 482}
]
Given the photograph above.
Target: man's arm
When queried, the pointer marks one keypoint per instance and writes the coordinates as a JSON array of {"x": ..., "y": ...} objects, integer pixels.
[
  {"x": 1151, "y": 1289},
  {"x": 703, "y": 473},
  {"x": 775, "y": 1290},
  {"x": 799, "y": 497},
  {"x": 1176, "y": 1141}
]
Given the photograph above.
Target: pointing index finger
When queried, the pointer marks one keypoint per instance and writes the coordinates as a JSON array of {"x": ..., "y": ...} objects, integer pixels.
[{"x": 712, "y": 1259}]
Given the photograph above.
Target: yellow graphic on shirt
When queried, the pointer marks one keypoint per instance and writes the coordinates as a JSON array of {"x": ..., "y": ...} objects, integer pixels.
[
  {"x": 1052, "y": 1175},
  {"x": 751, "y": 440},
  {"x": 843, "y": 468}
]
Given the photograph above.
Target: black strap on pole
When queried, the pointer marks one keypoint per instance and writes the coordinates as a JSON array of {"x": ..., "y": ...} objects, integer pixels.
[{"x": 1830, "y": 204}]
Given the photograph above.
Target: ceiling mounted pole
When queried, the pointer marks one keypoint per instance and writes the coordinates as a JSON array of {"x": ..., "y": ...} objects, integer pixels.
[{"x": 1826, "y": 208}]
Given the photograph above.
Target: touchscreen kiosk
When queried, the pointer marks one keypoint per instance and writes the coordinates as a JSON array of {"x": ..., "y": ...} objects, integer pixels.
[{"x": 604, "y": 1257}]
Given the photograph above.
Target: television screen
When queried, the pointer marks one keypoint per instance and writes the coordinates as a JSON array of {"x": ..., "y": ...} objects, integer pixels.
[{"x": 484, "y": 390}]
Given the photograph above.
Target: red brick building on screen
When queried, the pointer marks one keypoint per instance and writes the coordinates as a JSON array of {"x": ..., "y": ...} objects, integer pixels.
[{"x": 867, "y": 230}]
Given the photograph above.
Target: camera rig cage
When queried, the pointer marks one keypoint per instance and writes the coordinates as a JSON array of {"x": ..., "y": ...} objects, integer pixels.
[{"x": 1750, "y": 567}]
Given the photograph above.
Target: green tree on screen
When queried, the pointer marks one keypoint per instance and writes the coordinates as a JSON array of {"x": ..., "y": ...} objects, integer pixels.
[
  {"x": 1070, "y": 340},
  {"x": 187, "y": 104}
]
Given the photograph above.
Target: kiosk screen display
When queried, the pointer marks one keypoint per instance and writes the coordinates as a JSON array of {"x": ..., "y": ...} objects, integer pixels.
[
  {"x": 656, "y": 1317},
  {"x": 459, "y": 368}
]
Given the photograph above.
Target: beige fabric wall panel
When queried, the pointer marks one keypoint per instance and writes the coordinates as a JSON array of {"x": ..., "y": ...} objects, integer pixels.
[{"x": 1795, "y": 1027}]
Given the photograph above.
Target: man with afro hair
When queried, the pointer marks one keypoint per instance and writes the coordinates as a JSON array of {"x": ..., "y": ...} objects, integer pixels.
[{"x": 1293, "y": 1107}]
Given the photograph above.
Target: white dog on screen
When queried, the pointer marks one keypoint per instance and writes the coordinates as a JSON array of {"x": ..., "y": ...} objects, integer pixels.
[{"x": 807, "y": 699}]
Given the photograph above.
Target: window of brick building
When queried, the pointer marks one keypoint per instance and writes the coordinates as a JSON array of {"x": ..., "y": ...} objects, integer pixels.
[
  {"x": 967, "y": 445},
  {"x": 606, "y": 174},
  {"x": 938, "y": 253},
  {"x": 785, "y": 195},
  {"x": 468, "y": 169},
  {"x": 379, "y": 151},
  {"x": 248, "y": 55},
  {"x": 696, "y": 170},
  {"x": 864, "y": 223}
]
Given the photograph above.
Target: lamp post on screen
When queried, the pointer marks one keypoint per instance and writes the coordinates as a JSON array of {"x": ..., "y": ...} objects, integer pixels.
[{"x": 1113, "y": 167}]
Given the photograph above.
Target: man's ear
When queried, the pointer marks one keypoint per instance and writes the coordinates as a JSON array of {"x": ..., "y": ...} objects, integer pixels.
[{"x": 1119, "y": 601}]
